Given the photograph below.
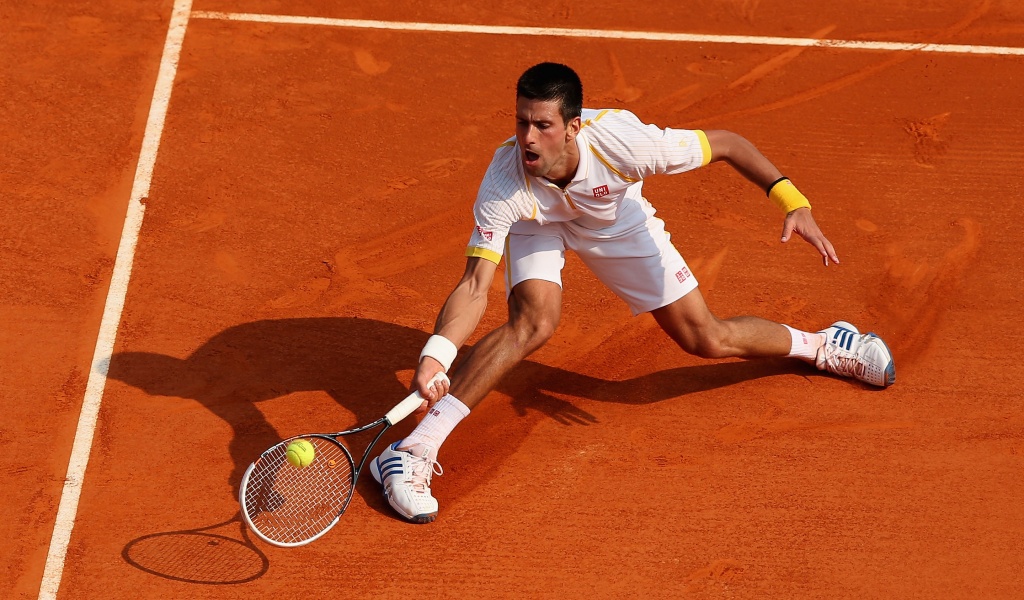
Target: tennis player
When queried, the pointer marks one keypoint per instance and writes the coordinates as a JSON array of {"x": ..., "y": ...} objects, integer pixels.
[{"x": 572, "y": 178}]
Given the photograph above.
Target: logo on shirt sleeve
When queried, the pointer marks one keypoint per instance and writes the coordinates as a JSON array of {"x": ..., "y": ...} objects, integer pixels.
[
  {"x": 683, "y": 274},
  {"x": 600, "y": 191},
  {"x": 487, "y": 235}
]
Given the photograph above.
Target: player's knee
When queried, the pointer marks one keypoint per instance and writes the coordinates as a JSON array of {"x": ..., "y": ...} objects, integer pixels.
[
  {"x": 534, "y": 331},
  {"x": 705, "y": 342},
  {"x": 711, "y": 348}
]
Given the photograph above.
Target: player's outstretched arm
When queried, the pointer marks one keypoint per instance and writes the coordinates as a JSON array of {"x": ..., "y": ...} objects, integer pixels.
[
  {"x": 749, "y": 162},
  {"x": 457, "y": 320}
]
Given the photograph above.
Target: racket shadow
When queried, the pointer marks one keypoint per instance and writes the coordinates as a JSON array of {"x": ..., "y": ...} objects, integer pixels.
[
  {"x": 205, "y": 555},
  {"x": 355, "y": 361}
]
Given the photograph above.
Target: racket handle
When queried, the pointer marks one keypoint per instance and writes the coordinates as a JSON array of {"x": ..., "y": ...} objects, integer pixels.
[{"x": 413, "y": 401}]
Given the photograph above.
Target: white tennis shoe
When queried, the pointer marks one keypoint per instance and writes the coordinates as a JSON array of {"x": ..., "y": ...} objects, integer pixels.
[
  {"x": 406, "y": 481},
  {"x": 850, "y": 353}
]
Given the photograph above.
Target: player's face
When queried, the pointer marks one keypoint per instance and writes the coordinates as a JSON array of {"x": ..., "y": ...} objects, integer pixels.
[{"x": 547, "y": 144}]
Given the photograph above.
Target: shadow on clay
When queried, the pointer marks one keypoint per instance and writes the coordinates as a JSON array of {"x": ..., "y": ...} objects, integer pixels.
[{"x": 355, "y": 361}]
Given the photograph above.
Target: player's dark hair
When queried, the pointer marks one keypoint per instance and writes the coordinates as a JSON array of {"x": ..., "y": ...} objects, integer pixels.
[{"x": 552, "y": 81}]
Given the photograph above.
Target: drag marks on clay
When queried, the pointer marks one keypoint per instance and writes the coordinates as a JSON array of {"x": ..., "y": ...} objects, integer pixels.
[
  {"x": 770, "y": 425},
  {"x": 808, "y": 94},
  {"x": 917, "y": 295},
  {"x": 744, "y": 9},
  {"x": 788, "y": 308},
  {"x": 377, "y": 257},
  {"x": 231, "y": 268},
  {"x": 776, "y": 63},
  {"x": 352, "y": 284},
  {"x": 707, "y": 270},
  {"x": 368, "y": 64},
  {"x": 646, "y": 447},
  {"x": 851, "y": 79},
  {"x": 742, "y": 223},
  {"x": 676, "y": 100},
  {"x": 206, "y": 220},
  {"x": 583, "y": 336},
  {"x": 434, "y": 169},
  {"x": 563, "y": 10},
  {"x": 926, "y": 135},
  {"x": 753, "y": 76},
  {"x": 397, "y": 184},
  {"x": 719, "y": 571},
  {"x": 387, "y": 254},
  {"x": 443, "y": 167},
  {"x": 308, "y": 293},
  {"x": 621, "y": 92},
  {"x": 1004, "y": 434},
  {"x": 71, "y": 391},
  {"x": 865, "y": 225},
  {"x": 345, "y": 285}
]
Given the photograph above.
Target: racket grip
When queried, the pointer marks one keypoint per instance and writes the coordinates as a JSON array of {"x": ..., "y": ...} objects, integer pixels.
[{"x": 413, "y": 401}]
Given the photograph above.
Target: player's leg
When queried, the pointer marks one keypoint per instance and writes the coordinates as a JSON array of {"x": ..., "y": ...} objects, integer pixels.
[
  {"x": 840, "y": 349},
  {"x": 533, "y": 280},
  {"x": 534, "y": 309},
  {"x": 660, "y": 282},
  {"x": 690, "y": 323},
  {"x": 647, "y": 271}
]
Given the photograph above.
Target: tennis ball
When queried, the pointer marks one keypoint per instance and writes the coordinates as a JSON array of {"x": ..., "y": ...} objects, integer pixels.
[{"x": 300, "y": 453}]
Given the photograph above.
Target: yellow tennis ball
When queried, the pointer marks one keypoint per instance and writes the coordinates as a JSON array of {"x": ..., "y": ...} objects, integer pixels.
[{"x": 300, "y": 453}]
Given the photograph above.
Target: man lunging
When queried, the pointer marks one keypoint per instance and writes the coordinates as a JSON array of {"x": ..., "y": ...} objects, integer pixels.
[{"x": 572, "y": 178}]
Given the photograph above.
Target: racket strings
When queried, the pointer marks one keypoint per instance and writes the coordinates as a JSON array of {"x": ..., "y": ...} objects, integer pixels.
[{"x": 289, "y": 504}]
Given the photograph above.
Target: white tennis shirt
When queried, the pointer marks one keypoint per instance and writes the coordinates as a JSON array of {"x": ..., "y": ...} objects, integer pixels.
[{"x": 617, "y": 152}]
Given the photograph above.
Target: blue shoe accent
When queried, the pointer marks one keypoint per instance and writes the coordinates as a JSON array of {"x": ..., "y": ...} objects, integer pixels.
[{"x": 890, "y": 369}]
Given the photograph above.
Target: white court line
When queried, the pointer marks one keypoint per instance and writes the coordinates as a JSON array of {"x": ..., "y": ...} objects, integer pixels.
[
  {"x": 72, "y": 491},
  {"x": 610, "y": 34}
]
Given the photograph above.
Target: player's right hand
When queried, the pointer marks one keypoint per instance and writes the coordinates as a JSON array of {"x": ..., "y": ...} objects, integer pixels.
[{"x": 426, "y": 370}]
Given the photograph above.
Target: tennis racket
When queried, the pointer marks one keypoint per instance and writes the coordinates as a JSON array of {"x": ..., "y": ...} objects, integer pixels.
[{"x": 288, "y": 506}]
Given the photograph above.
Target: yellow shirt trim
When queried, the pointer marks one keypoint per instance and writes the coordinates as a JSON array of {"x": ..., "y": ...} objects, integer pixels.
[
  {"x": 705, "y": 147},
  {"x": 609, "y": 165},
  {"x": 599, "y": 115},
  {"x": 508, "y": 144},
  {"x": 529, "y": 190},
  {"x": 508, "y": 265},
  {"x": 484, "y": 253}
]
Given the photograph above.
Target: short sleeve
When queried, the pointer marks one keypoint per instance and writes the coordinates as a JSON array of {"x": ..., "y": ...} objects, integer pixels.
[
  {"x": 640, "y": 150},
  {"x": 501, "y": 201}
]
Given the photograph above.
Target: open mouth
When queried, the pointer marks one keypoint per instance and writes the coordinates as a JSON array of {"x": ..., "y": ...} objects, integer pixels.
[{"x": 530, "y": 157}]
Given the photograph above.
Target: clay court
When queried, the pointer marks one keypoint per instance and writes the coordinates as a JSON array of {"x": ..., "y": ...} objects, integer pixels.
[{"x": 280, "y": 194}]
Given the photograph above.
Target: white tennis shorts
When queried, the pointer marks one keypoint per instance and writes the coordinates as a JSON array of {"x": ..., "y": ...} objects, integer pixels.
[{"x": 640, "y": 264}]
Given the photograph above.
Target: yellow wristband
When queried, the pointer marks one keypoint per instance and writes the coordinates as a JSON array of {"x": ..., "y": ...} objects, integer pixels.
[{"x": 785, "y": 195}]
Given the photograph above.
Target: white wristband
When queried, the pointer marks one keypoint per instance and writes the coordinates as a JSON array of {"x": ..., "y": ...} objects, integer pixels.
[{"x": 440, "y": 349}]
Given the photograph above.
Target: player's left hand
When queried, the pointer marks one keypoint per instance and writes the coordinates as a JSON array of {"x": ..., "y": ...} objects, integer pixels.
[{"x": 802, "y": 223}]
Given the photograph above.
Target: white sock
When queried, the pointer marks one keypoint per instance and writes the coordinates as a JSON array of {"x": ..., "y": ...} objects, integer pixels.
[
  {"x": 441, "y": 419},
  {"x": 805, "y": 345}
]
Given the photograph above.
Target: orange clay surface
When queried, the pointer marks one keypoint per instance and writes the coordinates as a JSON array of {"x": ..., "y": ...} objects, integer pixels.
[{"x": 310, "y": 204}]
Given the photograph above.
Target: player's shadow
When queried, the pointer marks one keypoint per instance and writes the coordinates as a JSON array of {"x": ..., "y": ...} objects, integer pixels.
[{"x": 355, "y": 361}]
